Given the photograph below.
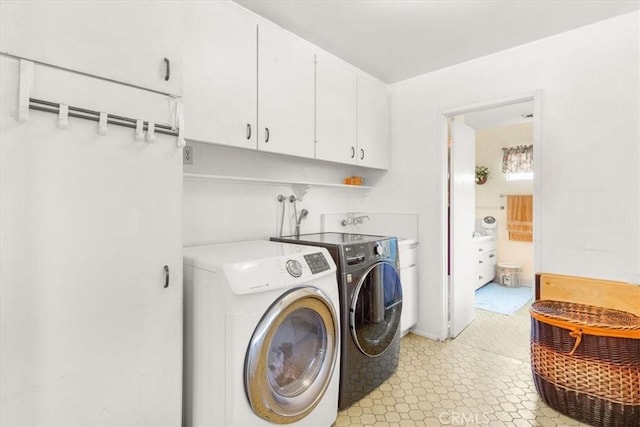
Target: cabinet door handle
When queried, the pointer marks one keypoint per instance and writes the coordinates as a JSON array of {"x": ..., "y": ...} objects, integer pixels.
[
  {"x": 492, "y": 255},
  {"x": 353, "y": 152},
  {"x": 248, "y": 130},
  {"x": 166, "y": 276},
  {"x": 362, "y": 154},
  {"x": 480, "y": 250},
  {"x": 266, "y": 134},
  {"x": 167, "y": 67},
  {"x": 480, "y": 262}
]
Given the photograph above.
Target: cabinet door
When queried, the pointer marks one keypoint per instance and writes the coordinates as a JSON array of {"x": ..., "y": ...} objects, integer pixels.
[
  {"x": 373, "y": 123},
  {"x": 220, "y": 85},
  {"x": 490, "y": 266},
  {"x": 409, "y": 316},
  {"x": 479, "y": 270},
  {"x": 483, "y": 270},
  {"x": 90, "y": 334},
  {"x": 285, "y": 93},
  {"x": 123, "y": 41},
  {"x": 335, "y": 110}
]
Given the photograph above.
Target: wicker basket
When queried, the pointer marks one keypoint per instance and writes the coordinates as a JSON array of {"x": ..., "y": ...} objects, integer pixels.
[{"x": 586, "y": 361}]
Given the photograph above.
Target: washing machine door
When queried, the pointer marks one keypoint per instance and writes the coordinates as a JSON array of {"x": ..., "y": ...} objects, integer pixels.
[
  {"x": 292, "y": 355},
  {"x": 375, "y": 310}
]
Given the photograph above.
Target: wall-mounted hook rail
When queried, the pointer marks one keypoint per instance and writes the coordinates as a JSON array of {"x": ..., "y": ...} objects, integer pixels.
[{"x": 83, "y": 113}]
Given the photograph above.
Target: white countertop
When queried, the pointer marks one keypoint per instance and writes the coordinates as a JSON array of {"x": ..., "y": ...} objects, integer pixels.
[
  {"x": 482, "y": 238},
  {"x": 402, "y": 242}
]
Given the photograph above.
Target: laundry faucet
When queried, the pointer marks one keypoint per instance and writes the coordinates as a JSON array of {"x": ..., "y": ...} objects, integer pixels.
[
  {"x": 352, "y": 219},
  {"x": 303, "y": 213},
  {"x": 360, "y": 219}
]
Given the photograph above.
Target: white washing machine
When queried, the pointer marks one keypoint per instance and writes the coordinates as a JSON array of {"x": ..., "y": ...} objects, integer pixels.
[{"x": 262, "y": 339}]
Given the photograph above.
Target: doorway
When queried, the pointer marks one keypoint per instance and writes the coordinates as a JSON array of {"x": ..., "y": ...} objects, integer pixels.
[{"x": 476, "y": 134}]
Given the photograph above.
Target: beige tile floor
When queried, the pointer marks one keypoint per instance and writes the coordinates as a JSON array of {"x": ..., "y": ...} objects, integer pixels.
[{"x": 483, "y": 377}]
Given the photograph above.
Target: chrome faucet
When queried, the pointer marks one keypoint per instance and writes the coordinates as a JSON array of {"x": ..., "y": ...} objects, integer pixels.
[
  {"x": 352, "y": 219},
  {"x": 347, "y": 221},
  {"x": 360, "y": 219},
  {"x": 303, "y": 213}
]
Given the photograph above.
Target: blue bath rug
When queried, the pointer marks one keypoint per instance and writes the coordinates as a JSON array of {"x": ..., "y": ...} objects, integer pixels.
[{"x": 501, "y": 299}]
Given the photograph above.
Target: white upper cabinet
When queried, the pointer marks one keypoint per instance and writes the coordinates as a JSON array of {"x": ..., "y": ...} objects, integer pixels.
[
  {"x": 373, "y": 123},
  {"x": 352, "y": 115},
  {"x": 285, "y": 93},
  {"x": 250, "y": 84},
  {"x": 220, "y": 84},
  {"x": 335, "y": 110},
  {"x": 123, "y": 41}
]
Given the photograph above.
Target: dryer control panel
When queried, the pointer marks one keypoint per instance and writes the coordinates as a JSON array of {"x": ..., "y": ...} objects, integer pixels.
[{"x": 359, "y": 255}]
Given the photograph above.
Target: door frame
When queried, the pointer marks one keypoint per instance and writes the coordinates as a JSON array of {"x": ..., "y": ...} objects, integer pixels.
[{"x": 534, "y": 96}]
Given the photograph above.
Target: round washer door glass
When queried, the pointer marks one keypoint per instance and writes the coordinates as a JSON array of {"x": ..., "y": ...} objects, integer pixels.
[
  {"x": 376, "y": 307},
  {"x": 292, "y": 355}
]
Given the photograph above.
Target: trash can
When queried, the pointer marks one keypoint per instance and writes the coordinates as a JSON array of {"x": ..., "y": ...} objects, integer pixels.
[{"x": 509, "y": 274}]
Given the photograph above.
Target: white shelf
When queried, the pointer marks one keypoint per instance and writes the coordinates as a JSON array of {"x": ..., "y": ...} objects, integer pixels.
[{"x": 299, "y": 188}]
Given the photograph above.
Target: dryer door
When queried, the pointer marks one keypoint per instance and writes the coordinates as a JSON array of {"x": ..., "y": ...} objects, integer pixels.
[
  {"x": 376, "y": 307},
  {"x": 292, "y": 355}
]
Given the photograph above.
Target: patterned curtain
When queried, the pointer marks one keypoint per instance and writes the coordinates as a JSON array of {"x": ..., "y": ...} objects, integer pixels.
[{"x": 517, "y": 159}]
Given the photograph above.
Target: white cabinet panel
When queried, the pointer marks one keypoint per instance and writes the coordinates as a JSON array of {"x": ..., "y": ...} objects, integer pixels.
[
  {"x": 335, "y": 110},
  {"x": 268, "y": 92},
  {"x": 220, "y": 85},
  {"x": 285, "y": 93},
  {"x": 373, "y": 123},
  {"x": 409, "y": 316},
  {"x": 89, "y": 334},
  {"x": 352, "y": 116},
  {"x": 407, "y": 259},
  {"x": 486, "y": 261},
  {"x": 123, "y": 41}
]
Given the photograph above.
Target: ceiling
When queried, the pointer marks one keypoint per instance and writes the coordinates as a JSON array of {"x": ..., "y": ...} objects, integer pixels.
[{"x": 397, "y": 39}]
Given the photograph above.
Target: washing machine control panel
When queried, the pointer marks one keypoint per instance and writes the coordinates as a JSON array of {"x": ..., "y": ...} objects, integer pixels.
[{"x": 317, "y": 262}]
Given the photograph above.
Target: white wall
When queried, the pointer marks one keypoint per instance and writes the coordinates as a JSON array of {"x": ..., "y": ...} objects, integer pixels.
[
  {"x": 588, "y": 182},
  {"x": 489, "y": 144},
  {"x": 215, "y": 212}
]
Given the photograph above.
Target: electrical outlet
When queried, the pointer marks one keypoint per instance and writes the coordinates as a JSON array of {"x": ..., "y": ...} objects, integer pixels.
[{"x": 187, "y": 155}]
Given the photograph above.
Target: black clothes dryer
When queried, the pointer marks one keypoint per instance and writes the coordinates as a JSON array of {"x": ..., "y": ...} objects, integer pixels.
[{"x": 370, "y": 308}]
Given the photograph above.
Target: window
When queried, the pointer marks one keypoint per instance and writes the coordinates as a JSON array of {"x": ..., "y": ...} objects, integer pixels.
[{"x": 517, "y": 162}]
